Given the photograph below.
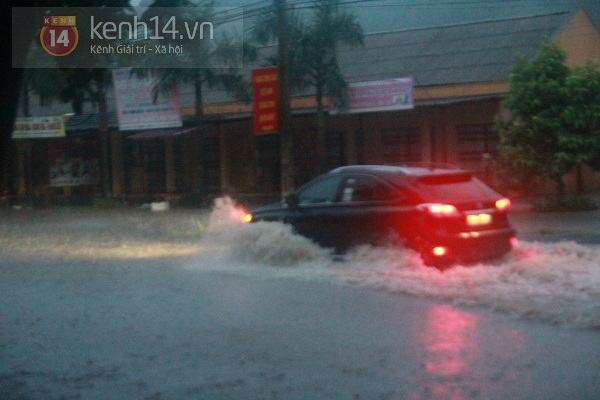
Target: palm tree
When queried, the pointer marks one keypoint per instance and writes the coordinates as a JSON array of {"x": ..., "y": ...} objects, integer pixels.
[
  {"x": 209, "y": 61},
  {"x": 313, "y": 45},
  {"x": 264, "y": 32},
  {"x": 90, "y": 85},
  {"x": 331, "y": 26},
  {"x": 46, "y": 83}
]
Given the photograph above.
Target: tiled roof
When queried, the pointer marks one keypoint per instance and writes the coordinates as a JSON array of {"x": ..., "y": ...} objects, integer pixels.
[
  {"x": 466, "y": 53},
  {"x": 443, "y": 55}
]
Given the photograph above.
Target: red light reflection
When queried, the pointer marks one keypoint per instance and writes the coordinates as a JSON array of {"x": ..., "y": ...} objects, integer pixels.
[
  {"x": 456, "y": 347},
  {"x": 449, "y": 340}
]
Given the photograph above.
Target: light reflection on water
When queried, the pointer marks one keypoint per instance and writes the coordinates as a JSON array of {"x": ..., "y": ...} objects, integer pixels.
[
  {"x": 462, "y": 359},
  {"x": 450, "y": 345},
  {"x": 449, "y": 340}
]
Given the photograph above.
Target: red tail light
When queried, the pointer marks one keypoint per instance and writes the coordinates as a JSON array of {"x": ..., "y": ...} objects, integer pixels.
[
  {"x": 440, "y": 209},
  {"x": 513, "y": 241},
  {"x": 503, "y": 204}
]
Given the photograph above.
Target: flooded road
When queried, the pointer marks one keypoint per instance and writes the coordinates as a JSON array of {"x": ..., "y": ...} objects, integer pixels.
[{"x": 185, "y": 305}]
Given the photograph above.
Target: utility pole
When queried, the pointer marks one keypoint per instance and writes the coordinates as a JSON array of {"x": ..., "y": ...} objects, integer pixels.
[
  {"x": 285, "y": 117},
  {"x": 104, "y": 142}
]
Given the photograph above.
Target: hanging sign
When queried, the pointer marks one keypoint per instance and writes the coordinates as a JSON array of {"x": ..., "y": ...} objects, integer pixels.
[{"x": 265, "y": 84}]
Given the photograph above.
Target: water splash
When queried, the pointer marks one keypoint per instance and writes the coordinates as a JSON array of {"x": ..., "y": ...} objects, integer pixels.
[{"x": 557, "y": 282}]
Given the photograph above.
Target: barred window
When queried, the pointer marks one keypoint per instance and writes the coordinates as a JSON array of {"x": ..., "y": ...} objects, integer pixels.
[
  {"x": 401, "y": 145},
  {"x": 473, "y": 142}
]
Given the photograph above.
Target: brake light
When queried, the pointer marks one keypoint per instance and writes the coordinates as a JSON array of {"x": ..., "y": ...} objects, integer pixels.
[
  {"x": 514, "y": 242},
  {"x": 440, "y": 209},
  {"x": 247, "y": 218},
  {"x": 503, "y": 204}
]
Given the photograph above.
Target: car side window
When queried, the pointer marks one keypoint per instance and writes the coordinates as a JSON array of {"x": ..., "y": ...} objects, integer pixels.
[
  {"x": 367, "y": 188},
  {"x": 323, "y": 190}
]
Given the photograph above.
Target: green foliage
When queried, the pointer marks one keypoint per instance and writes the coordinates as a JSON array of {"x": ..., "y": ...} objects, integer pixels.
[
  {"x": 46, "y": 83},
  {"x": 313, "y": 43},
  {"x": 219, "y": 61},
  {"x": 330, "y": 27},
  {"x": 85, "y": 85},
  {"x": 312, "y": 53},
  {"x": 217, "y": 57},
  {"x": 582, "y": 114},
  {"x": 553, "y": 122}
]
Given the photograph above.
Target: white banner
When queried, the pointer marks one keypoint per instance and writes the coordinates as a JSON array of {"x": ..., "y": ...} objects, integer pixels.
[
  {"x": 387, "y": 95},
  {"x": 136, "y": 108}
]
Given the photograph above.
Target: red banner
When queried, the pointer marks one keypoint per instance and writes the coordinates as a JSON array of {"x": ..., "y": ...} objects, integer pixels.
[{"x": 265, "y": 84}]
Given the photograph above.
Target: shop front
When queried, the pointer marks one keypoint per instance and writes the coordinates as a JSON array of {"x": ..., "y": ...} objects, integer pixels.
[{"x": 53, "y": 161}]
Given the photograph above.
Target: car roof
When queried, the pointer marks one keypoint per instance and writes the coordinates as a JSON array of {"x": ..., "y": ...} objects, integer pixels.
[{"x": 395, "y": 172}]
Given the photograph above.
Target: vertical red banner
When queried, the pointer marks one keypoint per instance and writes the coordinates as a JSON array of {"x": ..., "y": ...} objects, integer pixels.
[{"x": 265, "y": 85}]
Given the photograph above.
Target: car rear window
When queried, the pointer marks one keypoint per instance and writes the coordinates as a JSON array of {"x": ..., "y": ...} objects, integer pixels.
[
  {"x": 453, "y": 187},
  {"x": 357, "y": 188}
]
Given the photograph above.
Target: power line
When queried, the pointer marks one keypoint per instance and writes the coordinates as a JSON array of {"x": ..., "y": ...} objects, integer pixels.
[{"x": 262, "y": 7}]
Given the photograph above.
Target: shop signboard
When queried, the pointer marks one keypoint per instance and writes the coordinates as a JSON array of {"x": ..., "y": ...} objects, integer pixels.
[
  {"x": 39, "y": 127},
  {"x": 265, "y": 85},
  {"x": 375, "y": 96},
  {"x": 136, "y": 108}
]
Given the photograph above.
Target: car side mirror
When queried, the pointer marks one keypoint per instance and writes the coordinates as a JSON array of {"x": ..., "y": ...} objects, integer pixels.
[{"x": 291, "y": 200}]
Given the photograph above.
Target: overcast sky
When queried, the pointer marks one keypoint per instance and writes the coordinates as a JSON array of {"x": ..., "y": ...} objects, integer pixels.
[{"x": 389, "y": 15}]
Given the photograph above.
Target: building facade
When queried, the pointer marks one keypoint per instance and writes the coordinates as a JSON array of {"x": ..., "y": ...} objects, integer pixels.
[{"x": 460, "y": 74}]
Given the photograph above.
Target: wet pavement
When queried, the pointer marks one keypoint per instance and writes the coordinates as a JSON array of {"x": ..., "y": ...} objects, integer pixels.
[
  {"x": 134, "y": 304},
  {"x": 581, "y": 226}
]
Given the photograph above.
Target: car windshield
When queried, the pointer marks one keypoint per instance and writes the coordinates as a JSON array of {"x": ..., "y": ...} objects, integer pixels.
[{"x": 454, "y": 187}]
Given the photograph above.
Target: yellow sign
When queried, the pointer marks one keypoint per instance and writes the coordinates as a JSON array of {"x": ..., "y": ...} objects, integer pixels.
[{"x": 39, "y": 127}]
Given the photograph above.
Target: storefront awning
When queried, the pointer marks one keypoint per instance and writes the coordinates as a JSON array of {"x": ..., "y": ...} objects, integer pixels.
[{"x": 160, "y": 133}]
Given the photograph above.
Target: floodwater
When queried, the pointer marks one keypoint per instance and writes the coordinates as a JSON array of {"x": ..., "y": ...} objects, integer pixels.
[
  {"x": 130, "y": 304},
  {"x": 557, "y": 282}
]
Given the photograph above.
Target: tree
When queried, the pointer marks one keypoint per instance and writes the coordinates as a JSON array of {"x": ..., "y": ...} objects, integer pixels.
[
  {"x": 582, "y": 114},
  {"x": 286, "y": 29},
  {"x": 552, "y": 123},
  {"x": 331, "y": 26},
  {"x": 212, "y": 64},
  {"x": 12, "y": 81},
  {"x": 313, "y": 44},
  {"x": 44, "y": 83},
  {"x": 15, "y": 77},
  {"x": 91, "y": 85}
]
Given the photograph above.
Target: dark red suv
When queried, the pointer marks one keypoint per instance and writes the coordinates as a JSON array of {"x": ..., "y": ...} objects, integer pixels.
[{"x": 446, "y": 214}]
